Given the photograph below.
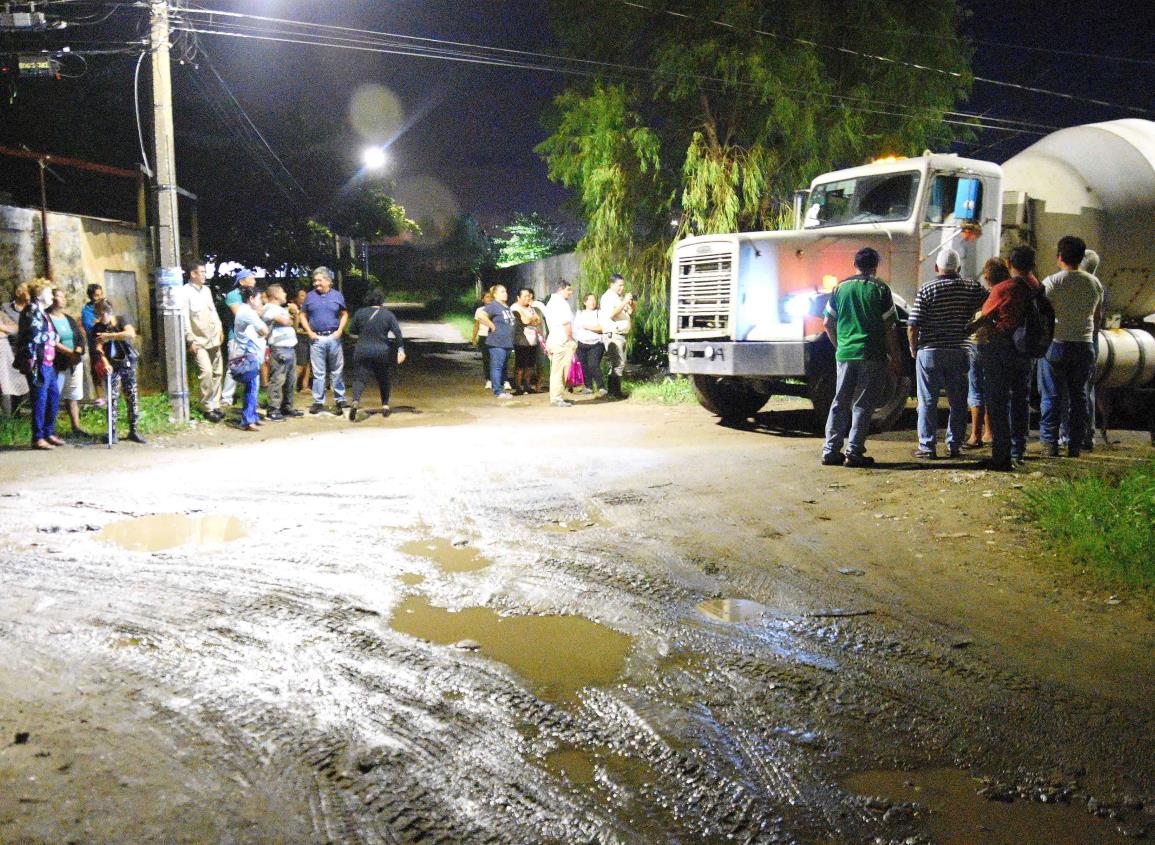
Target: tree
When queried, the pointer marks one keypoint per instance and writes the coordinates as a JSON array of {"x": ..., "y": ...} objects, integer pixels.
[
  {"x": 744, "y": 102},
  {"x": 530, "y": 237},
  {"x": 368, "y": 212}
]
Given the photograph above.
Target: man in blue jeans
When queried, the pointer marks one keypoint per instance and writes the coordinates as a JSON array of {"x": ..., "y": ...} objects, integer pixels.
[
  {"x": 859, "y": 321},
  {"x": 938, "y": 343},
  {"x": 1064, "y": 371},
  {"x": 323, "y": 317}
]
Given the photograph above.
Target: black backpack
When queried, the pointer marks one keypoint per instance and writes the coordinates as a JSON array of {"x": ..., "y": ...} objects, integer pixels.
[{"x": 1033, "y": 338}]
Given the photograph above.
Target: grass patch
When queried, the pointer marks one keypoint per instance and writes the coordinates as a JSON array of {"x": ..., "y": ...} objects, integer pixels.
[
  {"x": 462, "y": 321},
  {"x": 1104, "y": 524},
  {"x": 154, "y": 419},
  {"x": 672, "y": 390}
]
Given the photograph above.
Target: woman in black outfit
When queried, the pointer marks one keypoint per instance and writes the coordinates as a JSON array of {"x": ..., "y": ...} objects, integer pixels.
[{"x": 375, "y": 353}]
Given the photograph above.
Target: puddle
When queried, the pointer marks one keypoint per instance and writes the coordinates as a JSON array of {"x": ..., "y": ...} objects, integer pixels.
[
  {"x": 961, "y": 817},
  {"x": 411, "y": 579},
  {"x": 448, "y": 557},
  {"x": 733, "y": 610},
  {"x": 557, "y": 655},
  {"x": 573, "y": 764},
  {"x": 168, "y": 531}
]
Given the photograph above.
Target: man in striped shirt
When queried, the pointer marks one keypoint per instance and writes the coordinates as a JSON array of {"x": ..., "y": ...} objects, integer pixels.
[{"x": 938, "y": 342}]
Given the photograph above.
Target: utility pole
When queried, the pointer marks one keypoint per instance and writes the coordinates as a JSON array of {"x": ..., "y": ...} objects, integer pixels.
[{"x": 169, "y": 274}]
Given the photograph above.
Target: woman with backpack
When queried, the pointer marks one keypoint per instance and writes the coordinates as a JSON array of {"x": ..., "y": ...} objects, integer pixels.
[
  {"x": 247, "y": 352},
  {"x": 1006, "y": 369}
]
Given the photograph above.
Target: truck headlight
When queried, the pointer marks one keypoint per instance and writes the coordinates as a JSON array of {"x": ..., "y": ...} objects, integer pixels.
[{"x": 797, "y": 307}]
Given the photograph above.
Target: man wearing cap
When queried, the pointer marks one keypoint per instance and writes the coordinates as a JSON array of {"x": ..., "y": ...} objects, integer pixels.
[
  {"x": 936, "y": 329},
  {"x": 244, "y": 279},
  {"x": 323, "y": 317}
]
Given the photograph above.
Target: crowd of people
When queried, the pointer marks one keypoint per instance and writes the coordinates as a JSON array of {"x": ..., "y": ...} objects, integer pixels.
[
  {"x": 43, "y": 361},
  {"x": 981, "y": 343},
  {"x": 969, "y": 338},
  {"x": 571, "y": 346}
]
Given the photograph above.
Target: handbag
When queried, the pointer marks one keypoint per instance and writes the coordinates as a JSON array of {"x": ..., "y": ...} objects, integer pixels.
[
  {"x": 242, "y": 362},
  {"x": 575, "y": 375}
]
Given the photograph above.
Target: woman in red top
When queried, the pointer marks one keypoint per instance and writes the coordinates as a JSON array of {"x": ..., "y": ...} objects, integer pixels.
[{"x": 1006, "y": 373}]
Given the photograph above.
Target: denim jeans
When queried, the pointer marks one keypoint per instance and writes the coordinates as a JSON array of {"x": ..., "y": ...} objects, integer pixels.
[
  {"x": 328, "y": 359},
  {"x": 1007, "y": 390},
  {"x": 975, "y": 379},
  {"x": 497, "y": 358},
  {"x": 1063, "y": 376},
  {"x": 45, "y": 403},
  {"x": 251, "y": 382},
  {"x": 937, "y": 369},
  {"x": 860, "y": 386}
]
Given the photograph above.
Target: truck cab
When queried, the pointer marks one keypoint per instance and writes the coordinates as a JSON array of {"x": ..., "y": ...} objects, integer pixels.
[{"x": 746, "y": 308}]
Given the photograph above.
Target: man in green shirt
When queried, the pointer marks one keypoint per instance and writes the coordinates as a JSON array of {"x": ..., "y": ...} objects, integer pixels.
[{"x": 859, "y": 321}]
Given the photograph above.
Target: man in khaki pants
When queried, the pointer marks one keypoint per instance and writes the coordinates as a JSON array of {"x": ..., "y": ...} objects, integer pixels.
[
  {"x": 203, "y": 334},
  {"x": 559, "y": 342}
]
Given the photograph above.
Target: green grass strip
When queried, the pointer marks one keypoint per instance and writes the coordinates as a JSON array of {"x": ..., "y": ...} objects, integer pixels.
[{"x": 1102, "y": 523}]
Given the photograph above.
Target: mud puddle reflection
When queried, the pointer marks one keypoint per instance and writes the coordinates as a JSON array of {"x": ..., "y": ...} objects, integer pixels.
[
  {"x": 170, "y": 531},
  {"x": 448, "y": 557},
  {"x": 557, "y": 655},
  {"x": 733, "y": 610},
  {"x": 959, "y": 816}
]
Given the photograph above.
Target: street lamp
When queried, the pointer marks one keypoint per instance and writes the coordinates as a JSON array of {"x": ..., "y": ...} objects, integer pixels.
[{"x": 374, "y": 158}]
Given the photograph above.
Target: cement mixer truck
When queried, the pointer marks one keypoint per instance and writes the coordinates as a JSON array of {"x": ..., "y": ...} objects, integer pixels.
[{"x": 746, "y": 309}]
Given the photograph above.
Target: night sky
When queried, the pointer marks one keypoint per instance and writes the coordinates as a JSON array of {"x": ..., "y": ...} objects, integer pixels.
[{"x": 469, "y": 130}]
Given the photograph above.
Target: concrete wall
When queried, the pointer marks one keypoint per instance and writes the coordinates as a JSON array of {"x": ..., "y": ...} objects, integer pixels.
[
  {"x": 542, "y": 275},
  {"x": 84, "y": 250}
]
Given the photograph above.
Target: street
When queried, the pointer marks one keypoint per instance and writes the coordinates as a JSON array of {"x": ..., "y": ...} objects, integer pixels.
[{"x": 510, "y": 623}]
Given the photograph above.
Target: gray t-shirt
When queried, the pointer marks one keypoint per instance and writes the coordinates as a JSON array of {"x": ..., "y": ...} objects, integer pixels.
[
  {"x": 1075, "y": 296},
  {"x": 280, "y": 336}
]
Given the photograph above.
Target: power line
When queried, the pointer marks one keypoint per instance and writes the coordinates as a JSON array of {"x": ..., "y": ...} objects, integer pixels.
[
  {"x": 399, "y": 45},
  {"x": 893, "y": 61}
]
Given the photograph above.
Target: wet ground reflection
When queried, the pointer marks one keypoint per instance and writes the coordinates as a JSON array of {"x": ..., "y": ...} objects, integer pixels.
[{"x": 169, "y": 531}]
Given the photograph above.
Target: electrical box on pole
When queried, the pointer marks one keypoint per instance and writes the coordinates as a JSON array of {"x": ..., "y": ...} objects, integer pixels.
[
  {"x": 22, "y": 21},
  {"x": 168, "y": 273}
]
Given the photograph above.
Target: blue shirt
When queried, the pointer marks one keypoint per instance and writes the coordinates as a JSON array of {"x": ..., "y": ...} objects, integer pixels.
[
  {"x": 232, "y": 298},
  {"x": 324, "y": 310},
  {"x": 88, "y": 317},
  {"x": 503, "y": 323}
]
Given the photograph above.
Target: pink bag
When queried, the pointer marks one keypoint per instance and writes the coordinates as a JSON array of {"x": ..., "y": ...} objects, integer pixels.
[{"x": 575, "y": 377}]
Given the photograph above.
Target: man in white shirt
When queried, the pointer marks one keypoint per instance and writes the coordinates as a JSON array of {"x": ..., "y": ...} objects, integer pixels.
[
  {"x": 1077, "y": 298},
  {"x": 616, "y": 311},
  {"x": 559, "y": 341},
  {"x": 204, "y": 334}
]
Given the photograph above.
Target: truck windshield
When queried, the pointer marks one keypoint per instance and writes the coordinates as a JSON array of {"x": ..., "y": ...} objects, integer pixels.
[{"x": 876, "y": 198}]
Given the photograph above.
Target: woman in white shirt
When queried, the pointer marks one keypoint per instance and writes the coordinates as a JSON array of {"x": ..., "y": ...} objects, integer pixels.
[{"x": 587, "y": 331}]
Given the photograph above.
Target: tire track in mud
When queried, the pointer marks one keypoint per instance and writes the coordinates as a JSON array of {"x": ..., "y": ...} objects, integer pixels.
[{"x": 715, "y": 732}]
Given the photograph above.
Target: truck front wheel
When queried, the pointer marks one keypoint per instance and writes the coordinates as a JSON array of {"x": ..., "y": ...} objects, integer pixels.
[
  {"x": 821, "y": 387},
  {"x": 730, "y": 398}
]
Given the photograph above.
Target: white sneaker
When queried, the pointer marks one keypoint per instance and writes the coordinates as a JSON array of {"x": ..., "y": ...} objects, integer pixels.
[
  {"x": 488, "y": 384},
  {"x": 505, "y": 396},
  {"x": 603, "y": 393},
  {"x": 561, "y": 403},
  {"x": 506, "y": 386}
]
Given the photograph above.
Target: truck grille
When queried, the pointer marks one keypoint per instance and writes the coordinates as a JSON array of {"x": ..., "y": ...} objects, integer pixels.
[{"x": 704, "y": 288}]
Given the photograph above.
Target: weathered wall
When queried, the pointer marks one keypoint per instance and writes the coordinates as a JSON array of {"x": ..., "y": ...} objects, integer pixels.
[
  {"x": 542, "y": 275},
  {"x": 84, "y": 250}
]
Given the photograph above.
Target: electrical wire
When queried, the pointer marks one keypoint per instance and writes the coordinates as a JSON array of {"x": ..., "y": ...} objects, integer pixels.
[
  {"x": 893, "y": 61},
  {"x": 136, "y": 104},
  {"x": 390, "y": 45}
]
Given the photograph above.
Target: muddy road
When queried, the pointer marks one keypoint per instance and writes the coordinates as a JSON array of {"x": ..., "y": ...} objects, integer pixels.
[{"x": 613, "y": 623}]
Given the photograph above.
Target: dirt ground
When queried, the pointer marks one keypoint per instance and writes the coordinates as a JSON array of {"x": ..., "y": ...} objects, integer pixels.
[{"x": 483, "y": 622}]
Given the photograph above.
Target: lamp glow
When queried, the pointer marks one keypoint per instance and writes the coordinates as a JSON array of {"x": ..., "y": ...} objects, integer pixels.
[{"x": 374, "y": 158}]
